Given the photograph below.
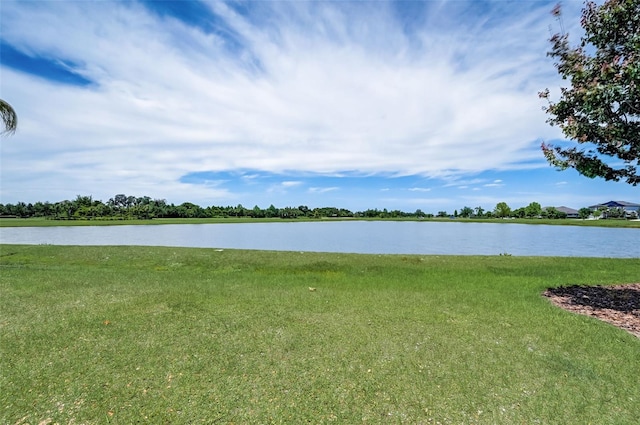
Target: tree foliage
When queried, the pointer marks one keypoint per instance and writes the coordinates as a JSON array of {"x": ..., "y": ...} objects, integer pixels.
[
  {"x": 601, "y": 109},
  {"x": 533, "y": 209},
  {"x": 466, "y": 212},
  {"x": 9, "y": 118},
  {"x": 502, "y": 210},
  {"x": 123, "y": 207},
  {"x": 584, "y": 213}
]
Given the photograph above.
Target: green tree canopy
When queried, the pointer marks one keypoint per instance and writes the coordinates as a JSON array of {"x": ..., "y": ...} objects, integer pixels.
[
  {"x": 533, "y": 209},
  {"x": 466, "y": 212},
  {"x": 502, "y": 210},
  {"x": 584, "y": 213},
  {"x": 600, "y": 111},
  {"x": 9, "y": 118}
]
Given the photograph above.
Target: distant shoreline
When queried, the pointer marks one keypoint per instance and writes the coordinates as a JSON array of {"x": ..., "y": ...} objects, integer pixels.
[{"x": 42, "y": 222}]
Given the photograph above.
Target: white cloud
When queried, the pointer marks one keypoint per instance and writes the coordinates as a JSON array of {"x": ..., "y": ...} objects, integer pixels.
[
  {"x": 322, "y": 189},
  {"x": 495, "y": 183},
  {"x": 335, "y": 89},
  {"x": 283, "y": 187}
]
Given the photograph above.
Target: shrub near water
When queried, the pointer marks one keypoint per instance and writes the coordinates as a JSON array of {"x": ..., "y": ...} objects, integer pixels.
[{"x": 165, "y": 335}]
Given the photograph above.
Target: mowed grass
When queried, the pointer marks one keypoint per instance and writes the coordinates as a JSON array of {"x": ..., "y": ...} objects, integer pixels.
[{"x": 163, "y": 335}]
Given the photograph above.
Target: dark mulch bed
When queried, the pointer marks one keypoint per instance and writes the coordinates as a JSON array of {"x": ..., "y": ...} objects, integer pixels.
[{"x": 618, "y": 305}]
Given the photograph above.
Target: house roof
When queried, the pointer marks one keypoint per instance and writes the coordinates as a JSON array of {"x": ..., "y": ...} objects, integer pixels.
[
  {"x": 616, "y": 204},
  {"x": 567, "y": 210}
]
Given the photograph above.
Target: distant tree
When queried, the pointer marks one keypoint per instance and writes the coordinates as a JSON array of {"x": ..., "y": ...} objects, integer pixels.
[
  {"x": 304, "y": 210},
  {"x": 257, "y": 212},
  {"x": 466, "y": 212},
  {"x": 442, "y": 214},
  {"x": 272, "y": 211},
  {"x": 371, "y": 213},
  {"x": 239, "y": 211},
  {"x": 159, "y": 207},
  {"x": 143, "y": 200},
  {"x": 120, "y": 200},
  {"x": 289, "y": 212},
  {"x": 83, "y": 201},
  {"x": 64, "y": 209},
  {"x": 42, "y": 209},
  {"x": 553, "y": 213},
  {"x": 479, "y": 211},
  {"x": 601, "y": 109},
  {"x": 9, "y": 118},
  {"x": 19, "y": 209},
  {"x": 502, "y": 210},
  {"x": 584, "y": 213},
  {"x": 131, "y": 201},
  {"x": 519, "y": 213},
  {"x": 533, "y": 209},
  {"x": 615, "y": 213}
]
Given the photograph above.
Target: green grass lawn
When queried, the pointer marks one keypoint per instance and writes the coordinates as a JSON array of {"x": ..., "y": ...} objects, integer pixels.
[{"x": 170, "y": 335}]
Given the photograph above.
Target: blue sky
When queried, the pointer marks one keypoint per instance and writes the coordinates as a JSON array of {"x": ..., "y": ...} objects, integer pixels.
[{"x": 407, "y": 105}]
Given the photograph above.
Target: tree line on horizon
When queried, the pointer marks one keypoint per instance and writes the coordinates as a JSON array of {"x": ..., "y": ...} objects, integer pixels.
[{"x": 123, "y": 207}]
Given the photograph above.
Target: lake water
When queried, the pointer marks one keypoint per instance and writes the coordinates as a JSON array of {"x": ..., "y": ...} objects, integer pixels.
[{"x": 367, "y": 237}]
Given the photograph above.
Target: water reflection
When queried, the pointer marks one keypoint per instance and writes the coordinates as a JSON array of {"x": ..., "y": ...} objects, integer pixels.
[{"x": 368, "y": 237}]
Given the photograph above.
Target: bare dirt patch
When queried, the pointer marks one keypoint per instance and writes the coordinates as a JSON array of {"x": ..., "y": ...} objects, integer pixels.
[{"x": 618, "y": 305}]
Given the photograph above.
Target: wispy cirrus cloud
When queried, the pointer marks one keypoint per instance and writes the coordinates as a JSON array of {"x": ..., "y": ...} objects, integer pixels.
[
  {"x": 157, "y": 92},
  {"x": 323, "y": 189}
]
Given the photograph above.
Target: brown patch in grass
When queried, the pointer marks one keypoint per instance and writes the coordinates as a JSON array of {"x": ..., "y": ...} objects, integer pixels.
[{"x": 618, "y": 305}]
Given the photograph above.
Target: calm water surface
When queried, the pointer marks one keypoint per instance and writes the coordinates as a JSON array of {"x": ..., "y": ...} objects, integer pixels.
[{"x": 367, "y": 237}]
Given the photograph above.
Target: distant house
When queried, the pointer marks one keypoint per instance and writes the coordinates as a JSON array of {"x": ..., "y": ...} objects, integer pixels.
[
  {"x": 630, "y": 209},
  {"x": 570, "y": 212}
]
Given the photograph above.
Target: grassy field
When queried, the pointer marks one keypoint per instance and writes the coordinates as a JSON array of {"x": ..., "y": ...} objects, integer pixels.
[
  {"x": 43, "y": 222},
  {"x": 163, "y": 335}
]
